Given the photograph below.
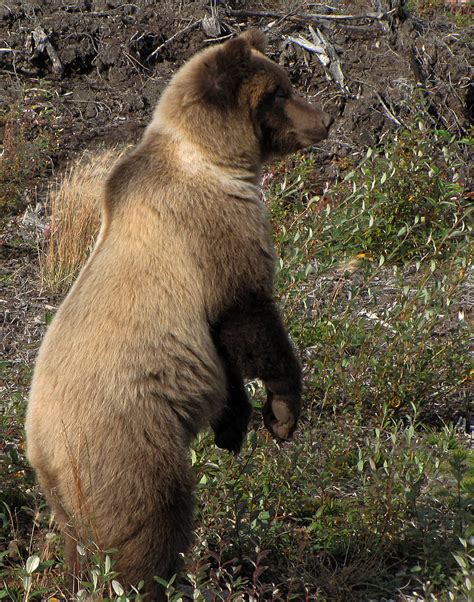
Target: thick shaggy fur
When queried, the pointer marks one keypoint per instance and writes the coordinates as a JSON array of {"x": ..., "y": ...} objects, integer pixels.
[{"x": 173, "y": 308}]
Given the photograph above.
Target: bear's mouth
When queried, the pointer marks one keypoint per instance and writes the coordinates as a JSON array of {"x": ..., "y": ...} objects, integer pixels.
[{"x": 310, "y": 137}]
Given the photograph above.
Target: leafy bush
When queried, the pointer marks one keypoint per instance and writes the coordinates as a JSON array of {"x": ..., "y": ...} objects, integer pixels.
[
  {"x": 29, "y": 143},
  {"x": 412, "y": 202},
  {"x": 374, "y": 332},
  {"x": 405, "y": 201}
]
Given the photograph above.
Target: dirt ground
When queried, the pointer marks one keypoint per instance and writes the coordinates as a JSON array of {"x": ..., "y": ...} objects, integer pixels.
[{"x": 101, "y": 65}]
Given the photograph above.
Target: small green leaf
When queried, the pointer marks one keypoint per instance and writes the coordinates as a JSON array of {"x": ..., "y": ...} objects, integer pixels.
[
  {"x": 118, "y": 589},
  {"x": 80, "y": 550},
  {"x": 402, "y": 231},
  {"x": 319, "y": 511},
  {"x": 32, "y": 564}
]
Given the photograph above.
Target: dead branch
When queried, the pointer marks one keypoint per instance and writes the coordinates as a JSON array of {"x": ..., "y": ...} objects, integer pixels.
[
  {"x": 386, "y": 110},
  {"x": 173, "y": 37},
  {"x": 310, "y": 46},
  {"x": 310, "y": 16},
  {"x": 334, "y": 66},
  {"x": 326, "y": 54},
  {"x": 43, "y": 44}
]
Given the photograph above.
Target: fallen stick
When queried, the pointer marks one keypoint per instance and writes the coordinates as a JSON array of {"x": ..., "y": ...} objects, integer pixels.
[
  {"x": 311, "y": 47},
  {"x": 326, "y": 54},
  {"x": 334, "y": 66},
  {"x": 42, "y": 44},
  {"x": 173, "y": 37},
  {"x": 310, "y": 16},
  {"x": 387, "y": 111}
]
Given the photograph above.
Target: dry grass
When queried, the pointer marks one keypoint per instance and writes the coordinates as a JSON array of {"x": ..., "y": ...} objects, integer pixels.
[{"x": 74, "y": 218}]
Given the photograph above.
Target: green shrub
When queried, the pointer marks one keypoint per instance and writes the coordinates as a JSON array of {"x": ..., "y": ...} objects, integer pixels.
[
  {"x": 28, "y": 147},
  {"x": 404, "y": 202}
]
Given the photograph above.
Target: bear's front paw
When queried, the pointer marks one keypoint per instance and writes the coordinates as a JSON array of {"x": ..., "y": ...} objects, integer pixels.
[
  {"x": 280, "y": 415},
  {"x": 229, "y": 438},
  {"x": 231, "y": 428}
]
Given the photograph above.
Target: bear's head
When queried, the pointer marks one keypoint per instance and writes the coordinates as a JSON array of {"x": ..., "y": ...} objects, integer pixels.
[{"x": 235, "y": 103}]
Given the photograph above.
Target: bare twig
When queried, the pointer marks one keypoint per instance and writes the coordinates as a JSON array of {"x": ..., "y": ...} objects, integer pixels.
[
  {"x": 387, "y": 111},
  {"x": 311, "y": 16},
  {"x": 134, "y": 62},
  {"x": 310, "y": 46},
  {"x": 326, "y": 54},
  {"x": 334, "y": 67},
  {"x": 173, "y": 37},
  {"x": 255, "y": 13},
  {"x": 42, "y": 44}
]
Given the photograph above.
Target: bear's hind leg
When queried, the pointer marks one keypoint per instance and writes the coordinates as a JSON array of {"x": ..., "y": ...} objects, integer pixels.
[
  {"x": 154, "y": 549},
  {"x": 143, "y": 509},
  {"x": 230, "y": 426}
]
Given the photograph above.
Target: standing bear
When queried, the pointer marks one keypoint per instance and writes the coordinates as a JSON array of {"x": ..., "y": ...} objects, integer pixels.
[{"x": 172, "y": 310}]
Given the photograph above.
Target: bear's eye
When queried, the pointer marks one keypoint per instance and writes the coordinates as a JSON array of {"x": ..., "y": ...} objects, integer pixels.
[{"x": 281, "y": 94}]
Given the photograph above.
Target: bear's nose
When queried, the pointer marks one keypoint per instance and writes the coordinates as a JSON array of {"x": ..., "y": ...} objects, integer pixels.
[{"x": 328, "y": 120}]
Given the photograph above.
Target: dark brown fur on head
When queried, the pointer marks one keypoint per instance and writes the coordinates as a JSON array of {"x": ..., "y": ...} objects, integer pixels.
[
  {"x": 254, "y": 93},
  {"x": 222, "y": 75}
]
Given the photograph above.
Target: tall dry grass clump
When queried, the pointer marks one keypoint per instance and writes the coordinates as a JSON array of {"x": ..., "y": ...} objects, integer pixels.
[{"x": 73, "y": 210}]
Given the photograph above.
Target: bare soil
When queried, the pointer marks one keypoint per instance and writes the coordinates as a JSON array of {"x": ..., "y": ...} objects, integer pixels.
[{"x": 99, "y": 64}]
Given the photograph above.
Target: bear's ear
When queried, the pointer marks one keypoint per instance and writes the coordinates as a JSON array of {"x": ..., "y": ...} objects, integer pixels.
[
  {"x": 221, "y": 74},
  {"x": 256, "y": 39}
]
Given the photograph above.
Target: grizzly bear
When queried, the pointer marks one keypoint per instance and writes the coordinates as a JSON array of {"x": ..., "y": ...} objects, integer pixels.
[{"x": 172, "y": 310}]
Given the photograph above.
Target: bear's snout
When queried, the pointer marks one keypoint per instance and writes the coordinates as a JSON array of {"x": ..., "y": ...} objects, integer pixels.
[
  {"x": 310, "y": 124},
  {"x": 322, "y": 124},
  {"x": 327, "y": 120}
]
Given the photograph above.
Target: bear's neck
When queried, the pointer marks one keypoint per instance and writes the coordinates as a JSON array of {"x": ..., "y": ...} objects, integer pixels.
[{"x": 237, "y": 172}]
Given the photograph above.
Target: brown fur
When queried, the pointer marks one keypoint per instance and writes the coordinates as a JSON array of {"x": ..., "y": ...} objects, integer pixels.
[{"x": 173, "y": 307}]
